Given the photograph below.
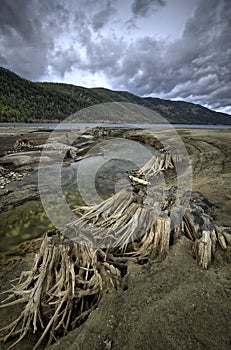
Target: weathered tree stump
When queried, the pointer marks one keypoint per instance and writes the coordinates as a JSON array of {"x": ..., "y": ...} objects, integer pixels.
[
  {"x": 203, "y": 249},
  {"x": 64, "y": 285},
  {"x": 201, "y": 228}
]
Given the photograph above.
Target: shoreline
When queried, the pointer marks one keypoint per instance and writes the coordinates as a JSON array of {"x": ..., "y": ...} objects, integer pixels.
[{"x": 66, "y": 126}]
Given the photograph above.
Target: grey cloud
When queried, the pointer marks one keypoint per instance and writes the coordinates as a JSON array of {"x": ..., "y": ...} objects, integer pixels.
[
  {"x": 16, "y": 16},
  {"x": 62, "y": 62},
  {"x": 59, "y": 36},
  {"x": 143, "y": 7},
  {"x": 104, "y": 57},
  {"x": 101, "y": 17},
  {"x": 197, "y": 67},
  {"x": 205, "y": 51},
  {"x": 30, "y": 36}
]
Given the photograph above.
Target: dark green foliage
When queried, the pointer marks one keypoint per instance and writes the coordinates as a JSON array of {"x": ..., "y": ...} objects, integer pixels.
[{"x": 25, "y": 101}]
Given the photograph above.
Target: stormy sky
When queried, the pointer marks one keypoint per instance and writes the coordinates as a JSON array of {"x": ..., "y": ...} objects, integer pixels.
[{"x": 172, "y": 49}]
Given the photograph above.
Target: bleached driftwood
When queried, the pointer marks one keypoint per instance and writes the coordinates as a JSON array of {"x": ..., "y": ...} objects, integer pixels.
[
  {"x": 139, "y": 181},
  {"x": 157, "y": 163},
  {"x": 203, "y": 249}
]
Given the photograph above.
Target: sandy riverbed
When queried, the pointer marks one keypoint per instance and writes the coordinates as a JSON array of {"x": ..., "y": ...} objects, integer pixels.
[{"x": 172, "y": 304}]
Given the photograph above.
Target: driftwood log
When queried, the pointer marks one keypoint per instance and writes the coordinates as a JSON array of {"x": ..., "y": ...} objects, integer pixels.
[{"x": 70, "y": 273}]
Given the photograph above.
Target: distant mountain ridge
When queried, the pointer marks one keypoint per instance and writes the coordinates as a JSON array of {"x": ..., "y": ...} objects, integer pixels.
[{"x": 24, "y": 101}]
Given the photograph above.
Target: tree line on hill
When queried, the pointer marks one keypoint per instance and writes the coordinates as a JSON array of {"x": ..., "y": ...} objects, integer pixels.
[{"x": 25, "y": 101}]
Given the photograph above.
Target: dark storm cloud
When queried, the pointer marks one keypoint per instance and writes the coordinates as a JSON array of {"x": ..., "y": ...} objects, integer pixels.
[
  {"x": 101, "y": 17},
  {"x": 56, "y": 37},
  {"x": 33, "y": 34},
  {"x": 196, "y": 67},
  {"x": 27, "y": 34},
  {"x": 205, "y": 52},
  {"x": 49, "y": 36},
  {"x": 14, "y": 16},
  {"x": 143, "y": 7}
]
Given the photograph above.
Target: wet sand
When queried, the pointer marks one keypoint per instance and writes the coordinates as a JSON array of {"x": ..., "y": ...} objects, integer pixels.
[{"x": 172, "y": 304}]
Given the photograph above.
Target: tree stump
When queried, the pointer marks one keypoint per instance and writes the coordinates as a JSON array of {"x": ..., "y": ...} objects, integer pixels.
[{"x": 64, "y": 285}]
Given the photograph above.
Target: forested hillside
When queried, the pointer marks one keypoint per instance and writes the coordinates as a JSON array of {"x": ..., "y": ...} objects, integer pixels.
[{"x": 25, "y": 101}]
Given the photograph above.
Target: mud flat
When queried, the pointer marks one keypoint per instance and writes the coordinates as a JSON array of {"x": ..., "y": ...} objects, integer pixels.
[
  {"x": 172, "y": 304},
  {"x": 210, "y": 154}
]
